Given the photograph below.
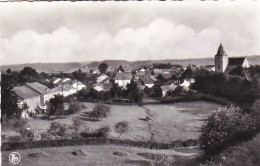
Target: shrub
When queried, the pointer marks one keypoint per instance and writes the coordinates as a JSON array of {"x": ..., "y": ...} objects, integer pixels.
[
  {"x": 74, "y": 107},
  {"x": 101, "y": 132},
  {"x": 55, "y": 106},
  {"x": 57, "y": 129},
  {"x": 76, "y": 124},
  {"x": 226, "y": 126},
  {"x": 15, "y": 124},
  {"x": 99, "y": 111},
  {"x": 121, "y": 127}
]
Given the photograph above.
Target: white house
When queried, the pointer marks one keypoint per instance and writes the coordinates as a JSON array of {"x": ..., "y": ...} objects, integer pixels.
[
  {"x": 186, "y": 85},
  {"x": 147, "y": 81},
  {"x": 122, "y": 79},
  {"x": 78, "y": 86}
]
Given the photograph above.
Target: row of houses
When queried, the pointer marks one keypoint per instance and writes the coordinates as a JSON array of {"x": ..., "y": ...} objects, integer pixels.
[
  {"x": 143, "y": 78},
  {"x": 35, "y": 95}
]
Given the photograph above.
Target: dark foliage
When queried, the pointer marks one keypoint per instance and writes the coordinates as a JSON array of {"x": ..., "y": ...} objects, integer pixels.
[
  {"x": 236, "y": 89},
  {"x": 94, "y": 141},
  {"x": 99, "y": 111},
  {"x": 121, "y": 127},
  {"x": 226, "y": 126},
  {"x": 74, "y": 107},
  {"x": 102, "y": 67},
  {"x": 238, "y": 71},
  {"x": 55, "y": 106},
  {"x": 9, "y": 107},
  {"x": 165, "y": 66}
]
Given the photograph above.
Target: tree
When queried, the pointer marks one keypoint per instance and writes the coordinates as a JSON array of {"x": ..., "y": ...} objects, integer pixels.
[
  {"x": 237, "y": 71},
  {"x": 74, "y": 107},
  {"x": 99, "y": 111},
  {"x": 121, "y": 127},
  {"x": 225, "y": 126},
  {"x": 102, "y": 67},
  {"x": 134, "y": 93},
  {"x": 188, "y": 73},
  {"x": 55, "y": 106},
  {"x": 121, "y": 68},
  {"x": 28, "y": 74},
  {"x": 9, "y": 99}
]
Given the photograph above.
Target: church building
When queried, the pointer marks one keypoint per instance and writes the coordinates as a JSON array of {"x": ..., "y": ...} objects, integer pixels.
[{"x": 224, "y": 64}]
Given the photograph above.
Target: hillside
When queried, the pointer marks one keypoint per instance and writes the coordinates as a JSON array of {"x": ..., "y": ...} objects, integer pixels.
[{"x": 70, "y": 67}]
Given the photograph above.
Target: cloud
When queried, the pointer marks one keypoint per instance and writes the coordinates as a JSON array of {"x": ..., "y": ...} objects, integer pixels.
[{"x": 62, "y": 32}]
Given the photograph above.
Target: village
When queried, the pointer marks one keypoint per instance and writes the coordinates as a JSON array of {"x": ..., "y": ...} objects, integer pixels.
[
  {"x": 154, "y": 81},
  {"x": 134, "y": 104}
]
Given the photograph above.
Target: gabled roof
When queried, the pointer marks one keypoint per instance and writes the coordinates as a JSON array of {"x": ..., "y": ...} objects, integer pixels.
[
  {"x": 41, "y": 89},
  {"x": 236, "y": 61},
  {"x": 169, "y": 82},
  {"x": 102, "y": 77},
  {"x": 147, "y": 80},
  {"x": 221, "y": 51},
  {"x": 122, "y": 76},
  {"x": 67, "y": 87},
  {"x": 25, "y": 92}
]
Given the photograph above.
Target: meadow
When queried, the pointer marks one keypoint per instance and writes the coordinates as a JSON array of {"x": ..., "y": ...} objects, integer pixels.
[{"x": 170, "y": 122}]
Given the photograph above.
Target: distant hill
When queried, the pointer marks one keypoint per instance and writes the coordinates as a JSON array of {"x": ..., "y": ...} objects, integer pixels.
[{"x": 70, "y": 67}]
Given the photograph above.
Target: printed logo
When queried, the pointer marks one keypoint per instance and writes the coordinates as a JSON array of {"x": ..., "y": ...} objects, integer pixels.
[{"x": 14, "y": 158}]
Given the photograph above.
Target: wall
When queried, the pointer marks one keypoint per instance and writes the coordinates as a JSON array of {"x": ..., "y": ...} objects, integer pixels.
[{"x": 221, "y": 63}]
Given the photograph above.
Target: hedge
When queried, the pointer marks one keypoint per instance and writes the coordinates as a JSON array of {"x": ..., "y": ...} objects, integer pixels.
[{"x": 9, "y": 146}]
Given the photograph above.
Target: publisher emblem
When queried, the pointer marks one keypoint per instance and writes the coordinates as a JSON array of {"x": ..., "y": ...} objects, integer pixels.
[{"x": 14, "y": 158}]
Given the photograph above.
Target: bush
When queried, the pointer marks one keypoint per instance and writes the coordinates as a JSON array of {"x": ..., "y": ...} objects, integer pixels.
[
  {"x": 74, "y": 107},
  {"x": 121, "y": 127},
  {"x": 99, "y": 111},
  {"x": 57, "y": 129},
  {"x": 220, "y": 85},
  {"x": 226, "y": 126},
  {"x": 15, "y": 124},
  {"x": 55, "y": 106},
  {"x": 101, "y": 132}
]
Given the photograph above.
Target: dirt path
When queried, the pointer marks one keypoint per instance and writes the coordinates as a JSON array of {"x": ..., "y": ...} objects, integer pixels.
[{"x": 147, "y": 111}]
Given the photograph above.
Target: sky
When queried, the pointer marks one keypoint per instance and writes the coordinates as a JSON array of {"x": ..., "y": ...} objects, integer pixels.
[{"x": 94, "y": 31}]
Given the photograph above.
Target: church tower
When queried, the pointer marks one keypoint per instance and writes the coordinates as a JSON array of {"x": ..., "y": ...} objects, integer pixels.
[{"x": 221, "y": 60}]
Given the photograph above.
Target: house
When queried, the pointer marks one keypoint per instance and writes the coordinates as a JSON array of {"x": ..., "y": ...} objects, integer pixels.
[
  {"x": 224, "y": 64},
  {"x": 167, "y": 87},
  {"x": 122, "y": 79},
  {"x": 67, "y": 90},
  {"x": 33, "y": 94},
  {"x": 142, "y": 70},
  {"x": 147, "y": 81},
  {"x": 56, "y": 81},
  {"x": 153, "y": 78},
  {"x": 209, "y": 67},
  {"x": 161, "y": 71},
  {"x": 103, "y": 86},
  {"x": 78, "y": 86},
  {"x": 59, "y": 81},
  {"x": 102, "y": 78},
  {"x": 185, "y": 85}
]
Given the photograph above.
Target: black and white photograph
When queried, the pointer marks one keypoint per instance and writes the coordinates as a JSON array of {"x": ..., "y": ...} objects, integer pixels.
[{"x": 151, "y": 83}]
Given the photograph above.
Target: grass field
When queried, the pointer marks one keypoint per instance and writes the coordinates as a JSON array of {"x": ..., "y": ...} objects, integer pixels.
[
  {"x": 181, "y": 121},
  {"x": 171, "y": 122},
  {"x": 103, "y": 155}
]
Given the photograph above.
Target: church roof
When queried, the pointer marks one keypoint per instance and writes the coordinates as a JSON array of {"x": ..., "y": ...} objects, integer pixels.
[
  {"x": 221, "y": 51},
  {"x": 236, "y": 61}
]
